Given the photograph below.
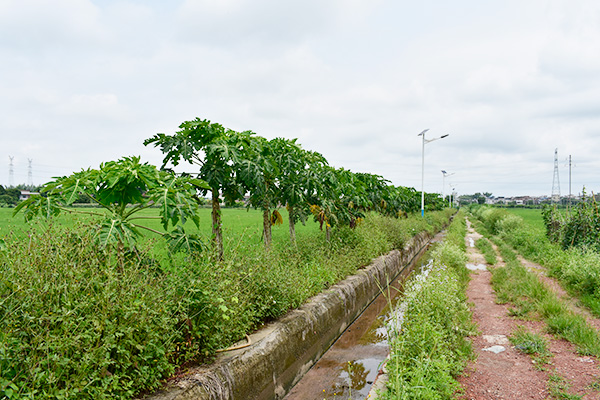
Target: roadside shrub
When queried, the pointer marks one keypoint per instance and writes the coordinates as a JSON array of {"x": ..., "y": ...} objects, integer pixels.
[
  {"x": 509, "y": 223},
  {"x": 583, "y": 272},
  {"x": 75, "y": 326},
  {"x": 491, "y": 217}
]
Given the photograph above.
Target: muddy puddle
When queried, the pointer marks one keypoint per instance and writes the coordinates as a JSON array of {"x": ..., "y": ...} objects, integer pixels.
[{"x": 349, "y": 368}]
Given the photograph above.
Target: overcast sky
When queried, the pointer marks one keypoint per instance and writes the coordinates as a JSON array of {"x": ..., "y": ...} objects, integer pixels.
[{"x": 82, "y": 82}]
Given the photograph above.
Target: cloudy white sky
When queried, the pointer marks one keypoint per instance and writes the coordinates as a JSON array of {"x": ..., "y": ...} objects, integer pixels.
[{"x": 86, "y": 81}]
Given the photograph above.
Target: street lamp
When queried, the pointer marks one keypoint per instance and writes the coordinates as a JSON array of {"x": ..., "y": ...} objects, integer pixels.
[
  {"x": 445, "y": 174},
  {"x": 423, "y": 168}
]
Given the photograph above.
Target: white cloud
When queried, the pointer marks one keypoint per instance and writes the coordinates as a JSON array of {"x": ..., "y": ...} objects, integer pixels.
[{"x": 84, "y": 82}]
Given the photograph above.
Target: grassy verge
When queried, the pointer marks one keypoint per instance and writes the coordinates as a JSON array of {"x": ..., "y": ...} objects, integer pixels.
[
  {"x": 429, "y": 346},
  {"x": 76, "y": 323}
]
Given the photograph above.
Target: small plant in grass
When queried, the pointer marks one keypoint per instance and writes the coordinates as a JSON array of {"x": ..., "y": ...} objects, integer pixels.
[
  {"x": 595, "y": 385},
  {"x": 531, "y": 343}
]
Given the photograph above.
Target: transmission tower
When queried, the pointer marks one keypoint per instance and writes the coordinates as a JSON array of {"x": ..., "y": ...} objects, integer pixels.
[
  {"x": 555, "y": 180},
  {"x": 30, "y": 173},
  {"x": 11, "y": 172},
  {"x": 569, "y": 181}
]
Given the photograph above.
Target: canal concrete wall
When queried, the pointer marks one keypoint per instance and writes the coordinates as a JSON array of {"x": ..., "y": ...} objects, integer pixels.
[{"x": 283, "y": 351}]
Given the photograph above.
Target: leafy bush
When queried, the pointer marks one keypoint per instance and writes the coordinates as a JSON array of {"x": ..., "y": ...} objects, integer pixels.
[
  {"x": 509, "y": 223},
  {"x": 583, "y": 272},
  {"x": 578, "y": 228},
  {"x": 74, "y": 327}
]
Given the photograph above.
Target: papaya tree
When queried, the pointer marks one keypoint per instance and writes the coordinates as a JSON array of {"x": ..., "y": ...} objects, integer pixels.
[
  {"x": 215, "y": 150},
  {"x": 354, "y": 200},
  {"x": 324, "y": 199},
  {"x": 297, "y": 179},
  {"x": 258, "y": 170},
  {"x": 376, "y": 191},
  {"x": 123, "y": 188},
  {"x": 289, "y": 158}
]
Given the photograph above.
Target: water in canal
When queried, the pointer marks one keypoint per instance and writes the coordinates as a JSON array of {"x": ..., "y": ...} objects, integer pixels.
[{"x": 349, "y": 368}]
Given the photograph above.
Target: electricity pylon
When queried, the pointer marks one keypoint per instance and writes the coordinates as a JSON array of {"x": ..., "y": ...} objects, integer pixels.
[
  {"x": 555, "y": 180},
  {"x": 30, "y": 173},
  {"x": 11, "y": 172}
]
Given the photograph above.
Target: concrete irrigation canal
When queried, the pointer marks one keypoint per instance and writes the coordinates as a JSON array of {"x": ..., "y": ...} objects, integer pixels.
[{"x": 331, "y": 347}]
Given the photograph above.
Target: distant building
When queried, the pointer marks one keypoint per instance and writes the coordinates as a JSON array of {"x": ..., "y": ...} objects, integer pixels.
[{"x": 25, "y": 194}]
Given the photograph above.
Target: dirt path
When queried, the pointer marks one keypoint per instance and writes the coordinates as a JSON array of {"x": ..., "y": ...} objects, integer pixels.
[{"x": 503, "y": 372}]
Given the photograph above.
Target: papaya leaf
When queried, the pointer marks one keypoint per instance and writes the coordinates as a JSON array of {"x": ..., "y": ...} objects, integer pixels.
[
  {"x": 178, "y": 240},
  {"x": 37, "y": 205}
]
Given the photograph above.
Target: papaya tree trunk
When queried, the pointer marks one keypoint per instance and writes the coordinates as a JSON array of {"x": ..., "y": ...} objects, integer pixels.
[
  {"x": 217, "y": 231},
  {"x": 267, "y": 228},
  {"x": 292, "y": 223},
  {"x": 327, "y": 232}
]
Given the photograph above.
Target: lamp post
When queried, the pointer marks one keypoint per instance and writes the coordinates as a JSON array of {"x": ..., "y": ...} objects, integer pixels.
[
  {"x": 444, "y": 175},
  {"x": 423, "y": 167}
]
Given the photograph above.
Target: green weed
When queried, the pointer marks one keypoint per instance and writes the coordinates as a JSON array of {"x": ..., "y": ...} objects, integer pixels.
[
  {"x": 531, "y": 343},
  {"x": 557, "y": 386}
]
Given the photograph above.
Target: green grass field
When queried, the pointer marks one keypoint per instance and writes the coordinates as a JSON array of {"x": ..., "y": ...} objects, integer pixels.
[
  {"x": 241, "y": 227},
  {"x": 531, "y": 216}
]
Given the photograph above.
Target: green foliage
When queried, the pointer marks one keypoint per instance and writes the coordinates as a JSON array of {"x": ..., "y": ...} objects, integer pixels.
[
  {"x": 77, "y": 323},
  {"x": 455, "y": 234},
  {"x": 578, "y": 228},
  {"x": 491, "y": 218},
  {"x": 9, "y": 196},
  {"x": 123, "y": 188},
  {"x": 74, "y": 327}
]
